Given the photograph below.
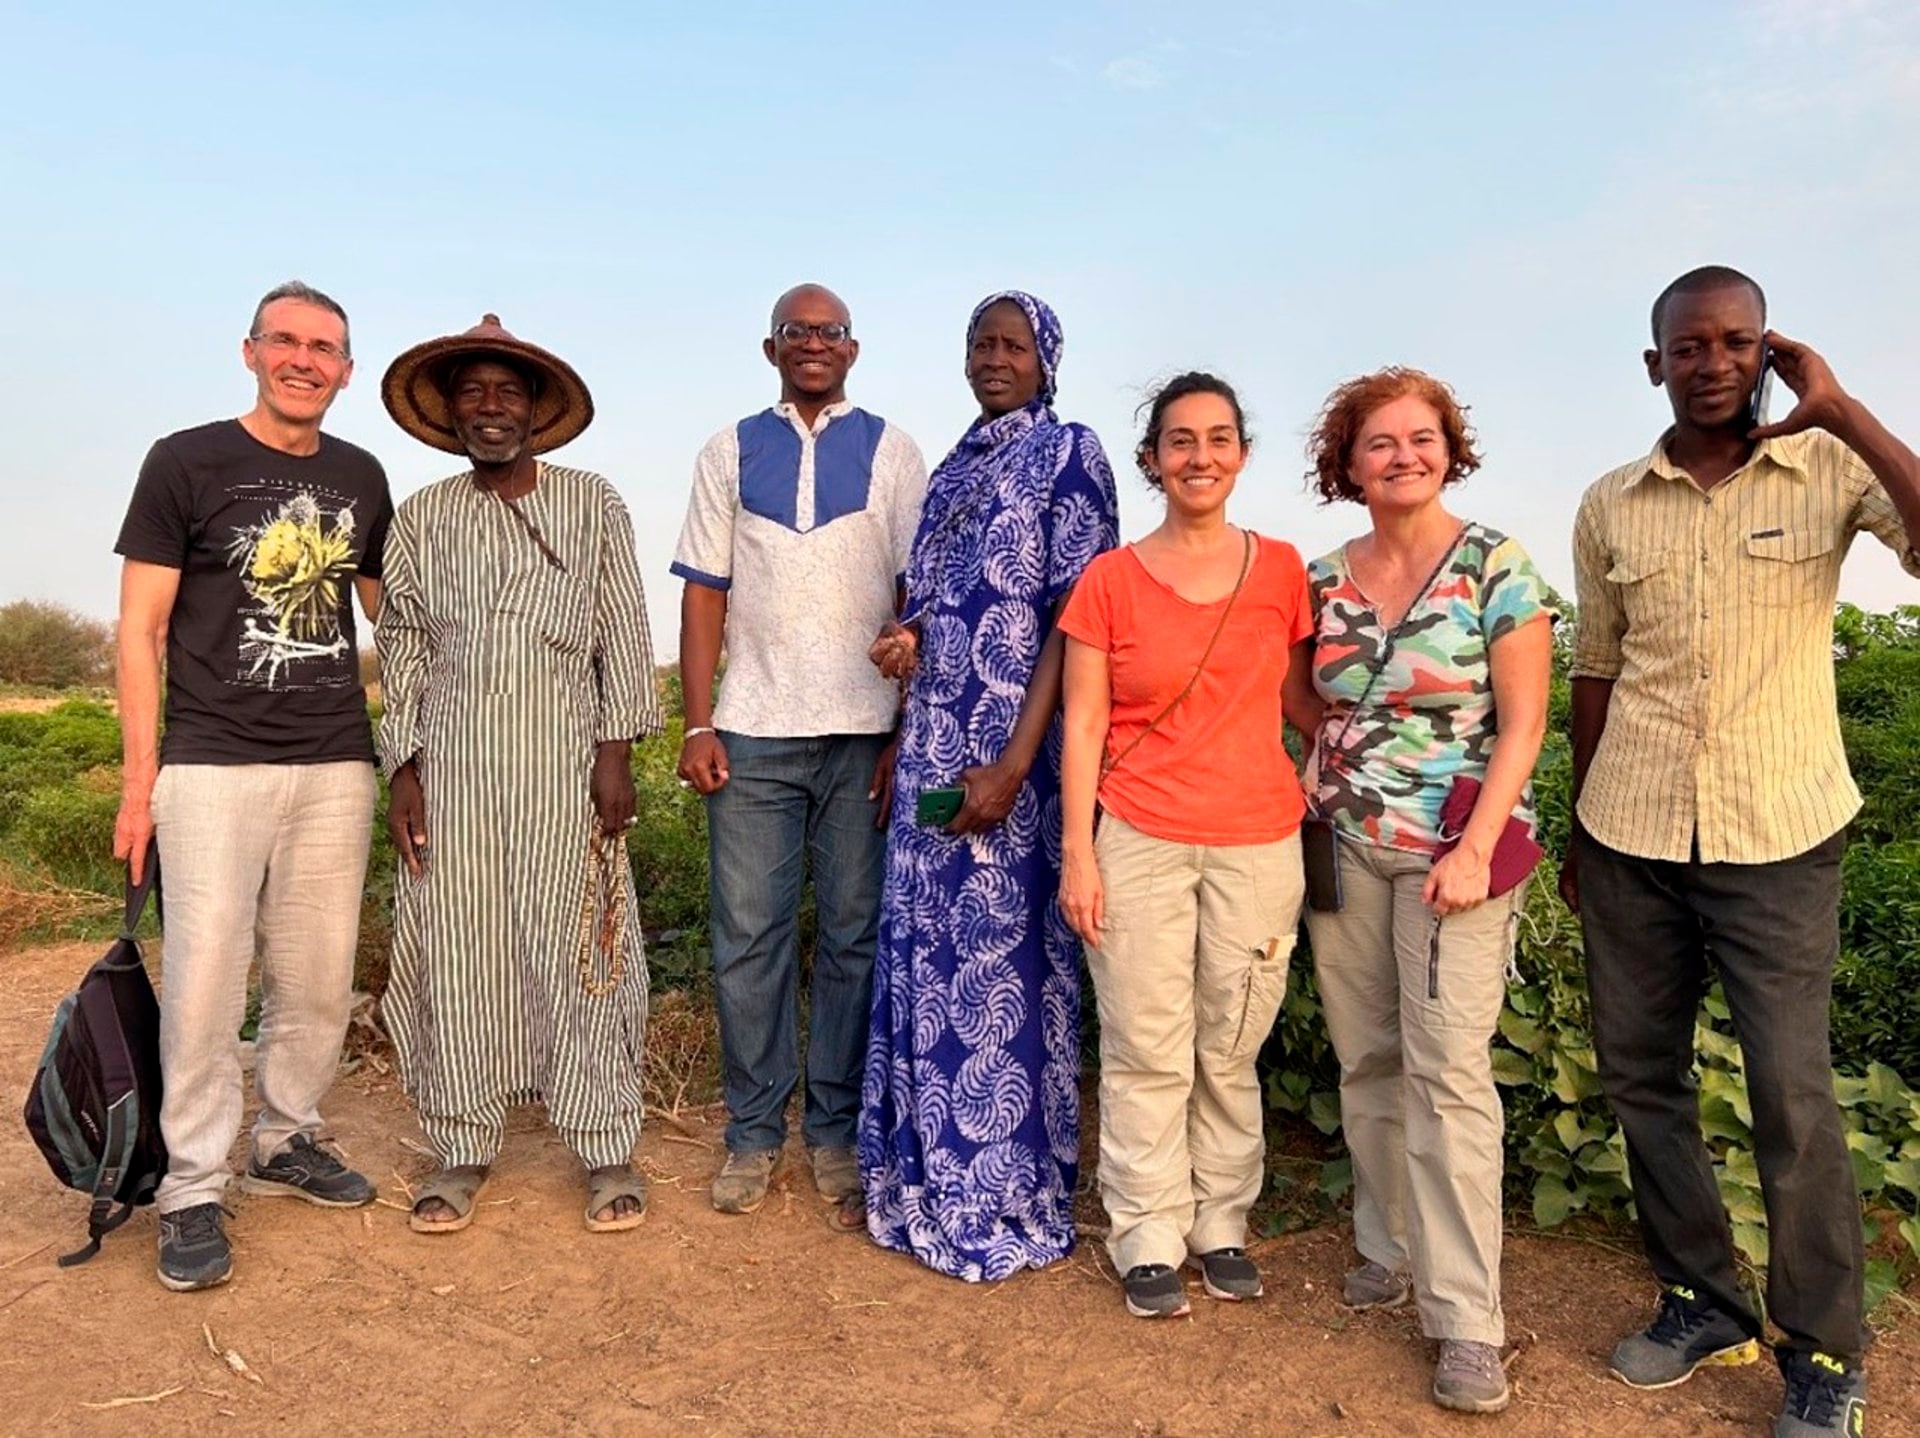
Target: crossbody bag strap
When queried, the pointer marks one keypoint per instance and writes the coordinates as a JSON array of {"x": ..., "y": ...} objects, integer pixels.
[
  {"x": 1246, "y": 564},
  {"x": 1386, "y": 652}
]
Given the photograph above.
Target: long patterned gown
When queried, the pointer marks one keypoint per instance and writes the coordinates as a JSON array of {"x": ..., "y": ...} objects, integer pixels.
[
  {"x": 501, "y": 672},
  {"x": 969, "y": 1124}
]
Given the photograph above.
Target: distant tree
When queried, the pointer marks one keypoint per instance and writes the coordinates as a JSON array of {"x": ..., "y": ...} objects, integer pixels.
[{"x": 54, "y": 647}]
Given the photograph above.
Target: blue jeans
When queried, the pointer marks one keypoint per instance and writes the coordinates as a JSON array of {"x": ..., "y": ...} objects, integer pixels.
[{"x": 784, "y": 799}]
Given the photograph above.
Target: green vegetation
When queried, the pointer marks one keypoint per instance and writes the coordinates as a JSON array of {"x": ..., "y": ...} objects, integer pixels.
[{"x": 59, "y": 789}]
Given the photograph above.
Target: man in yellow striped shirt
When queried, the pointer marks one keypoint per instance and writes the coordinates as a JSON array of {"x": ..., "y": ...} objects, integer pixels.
[{"x": 1712, "y": 798}]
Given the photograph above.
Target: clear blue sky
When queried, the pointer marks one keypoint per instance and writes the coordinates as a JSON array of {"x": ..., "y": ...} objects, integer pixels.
[{"x": 1287, "y": 193}]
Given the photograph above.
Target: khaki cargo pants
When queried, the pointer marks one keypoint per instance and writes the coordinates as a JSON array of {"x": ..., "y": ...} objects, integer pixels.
[
  {"x": 1417, "y": 1100},
  {"x": 1189, "y": 975}
]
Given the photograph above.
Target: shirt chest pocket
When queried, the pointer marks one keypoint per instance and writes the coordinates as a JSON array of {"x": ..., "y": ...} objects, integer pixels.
[
  {"x": 1649, "y": 582},
  {"x": 1789, "y": 567},
  {"x": 550, "y": 604}
]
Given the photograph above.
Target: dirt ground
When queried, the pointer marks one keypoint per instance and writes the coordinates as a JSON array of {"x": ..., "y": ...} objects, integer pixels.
[{"x": 771, "y": 1324}]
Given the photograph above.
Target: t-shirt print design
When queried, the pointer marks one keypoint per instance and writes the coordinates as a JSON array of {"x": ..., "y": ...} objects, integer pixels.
[{"x": 296, "y": 564}]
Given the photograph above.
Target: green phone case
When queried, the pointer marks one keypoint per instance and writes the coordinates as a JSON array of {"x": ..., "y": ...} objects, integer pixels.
[{"x": 936, "y": 807}]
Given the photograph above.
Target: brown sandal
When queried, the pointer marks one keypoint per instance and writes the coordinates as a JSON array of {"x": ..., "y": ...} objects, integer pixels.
[
  {"x": 455, "y": 1187},
  {"x": 606, "y": 1187}
]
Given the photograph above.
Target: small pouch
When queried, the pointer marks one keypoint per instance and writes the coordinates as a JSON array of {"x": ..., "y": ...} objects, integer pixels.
[
  {"x": 1320, "y": 856},
  {"x": 1515, "y": 852}
]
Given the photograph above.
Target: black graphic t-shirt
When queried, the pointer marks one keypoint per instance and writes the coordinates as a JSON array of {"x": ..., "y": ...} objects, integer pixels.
[{"x": 262, "y": 663}]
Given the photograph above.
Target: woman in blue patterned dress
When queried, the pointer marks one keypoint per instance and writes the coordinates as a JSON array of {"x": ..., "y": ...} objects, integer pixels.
[{"x": 969, "y": 1122}]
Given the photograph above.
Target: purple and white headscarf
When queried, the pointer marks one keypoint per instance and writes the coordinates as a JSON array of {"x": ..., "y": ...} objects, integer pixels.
[{"x": 1047, "y": 337}]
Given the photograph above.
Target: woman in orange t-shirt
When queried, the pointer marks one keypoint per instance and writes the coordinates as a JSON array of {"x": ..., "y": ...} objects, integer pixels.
[{"x": 1178, "y": 651}]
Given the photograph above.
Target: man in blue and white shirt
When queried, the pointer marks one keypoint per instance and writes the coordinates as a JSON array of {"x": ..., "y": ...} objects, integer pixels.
[{"x": 795, "y": 542}]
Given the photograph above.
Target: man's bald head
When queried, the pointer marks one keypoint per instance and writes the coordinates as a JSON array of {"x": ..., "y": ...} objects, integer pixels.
[
  {"x": 811, "y": 343},
  {"x": 810, "y": 297}
]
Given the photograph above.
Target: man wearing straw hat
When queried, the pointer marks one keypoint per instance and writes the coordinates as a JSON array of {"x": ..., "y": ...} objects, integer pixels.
[{"x": 517, "y": 671}]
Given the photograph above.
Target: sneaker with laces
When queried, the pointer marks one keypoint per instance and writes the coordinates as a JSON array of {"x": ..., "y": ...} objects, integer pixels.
[
  {"x": 1823, "y": 1396},
  {"x": 741, "y": 1185},
  {"x": 1228, "y": 1274},
  {"x": 1154, "y": 1290},
  {"x": 1685, "y": 1335},
  {"x": 1469, "y": 1377},
  {"x": 194, "y": 1252},
  {"x": 1374, "y": 1285},
  {"x": 304, "y": 1169}
]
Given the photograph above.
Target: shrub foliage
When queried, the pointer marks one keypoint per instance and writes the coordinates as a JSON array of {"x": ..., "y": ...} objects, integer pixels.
[{"x": 53, "y": 647}]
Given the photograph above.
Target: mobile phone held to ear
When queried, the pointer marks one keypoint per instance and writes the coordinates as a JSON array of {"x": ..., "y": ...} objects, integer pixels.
[
  {"x": 936, "y": 808},
  {"x": 1762, "y": 389}
]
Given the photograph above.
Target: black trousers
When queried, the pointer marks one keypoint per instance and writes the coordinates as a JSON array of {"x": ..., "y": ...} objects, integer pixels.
[{"x": 1772, "y": 931}]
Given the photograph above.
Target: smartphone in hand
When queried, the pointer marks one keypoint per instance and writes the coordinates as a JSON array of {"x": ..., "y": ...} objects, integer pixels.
[
  {"x": 936, "y": 808},
  {"x": 1762, "y": 389}
]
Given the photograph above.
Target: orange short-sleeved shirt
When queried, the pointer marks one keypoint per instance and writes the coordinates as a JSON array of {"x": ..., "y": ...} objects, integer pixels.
[{"x": 1215, "y": 771}]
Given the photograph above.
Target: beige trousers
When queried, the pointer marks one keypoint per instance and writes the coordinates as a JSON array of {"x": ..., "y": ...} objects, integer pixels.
[
  {"x": 1422, "y": 1117},
  {"x": 1188, "y": 977}
]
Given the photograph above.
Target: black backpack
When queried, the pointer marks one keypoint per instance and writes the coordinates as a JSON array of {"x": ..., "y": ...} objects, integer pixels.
[{"x": 94, "y": 1107}]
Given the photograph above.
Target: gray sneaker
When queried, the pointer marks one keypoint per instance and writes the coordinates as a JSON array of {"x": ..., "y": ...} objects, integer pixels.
[
  {"x": 741, "y": 1184},
  {"x": 194, "y": 1252},
  {"x": 1374, "y": 1285},
  {"x": 1685, "y": 1334},
  {"x": 1154, "y": 1290},
  {"x": 1823, "y": 1396},
  {"x": 1469, "y": 1378},
  {"x": 1228, "y": 1274},
  {"x": 836, "y": 1172},
  {"x": 303, "y": 1169}
]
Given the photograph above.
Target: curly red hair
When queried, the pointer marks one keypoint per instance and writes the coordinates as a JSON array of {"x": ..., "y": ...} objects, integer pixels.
[{"x": 1330, "y": 446}]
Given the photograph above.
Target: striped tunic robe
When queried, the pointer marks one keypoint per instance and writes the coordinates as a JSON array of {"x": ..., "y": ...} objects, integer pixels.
[{"x": 501, "y": 672}]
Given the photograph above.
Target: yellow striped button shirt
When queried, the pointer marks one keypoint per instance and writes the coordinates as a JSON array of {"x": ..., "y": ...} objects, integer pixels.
[{"x": 1713, "y": 613}]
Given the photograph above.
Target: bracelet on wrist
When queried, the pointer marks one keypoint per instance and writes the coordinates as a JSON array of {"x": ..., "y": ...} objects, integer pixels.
[{"x": 698, "y": 729}]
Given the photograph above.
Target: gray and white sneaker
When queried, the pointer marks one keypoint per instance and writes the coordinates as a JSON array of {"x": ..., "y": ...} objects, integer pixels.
[
  {"x": 1469, "y": 1377},
  {"x": 1228, "y": 1274},
  {"x": 741, "y": 1185},
  {"x": 194, "y": 1252},
  {"x": 1374, "y": 1285},
  {"x": 1155, "y": 1291},
  {"x": 303, "y": 1169}
]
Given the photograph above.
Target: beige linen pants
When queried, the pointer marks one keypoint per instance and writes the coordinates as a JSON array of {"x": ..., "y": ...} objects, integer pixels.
[
  {"x": 266, "y": 862},
  {"x": 1417, "y": 1100},
  {"x": 1188, "y": 977}
]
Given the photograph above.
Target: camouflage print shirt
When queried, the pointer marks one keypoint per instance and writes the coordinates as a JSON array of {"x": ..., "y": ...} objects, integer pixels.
[{"x": 1429, "y": 717}]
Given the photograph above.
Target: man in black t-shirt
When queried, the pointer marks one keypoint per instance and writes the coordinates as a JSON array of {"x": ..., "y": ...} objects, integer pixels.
[{"x": 245, "y": 543}]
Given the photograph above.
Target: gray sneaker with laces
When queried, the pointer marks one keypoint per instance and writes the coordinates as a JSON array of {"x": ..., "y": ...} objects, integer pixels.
[
  {"x": 1374, "y": 1285},
  {"x": 194, "y": 1252},
  {"x": 741, "y": 1185},
  {"x": 1469, "y": 1378},
  {"x": 303, "y": 1169}
]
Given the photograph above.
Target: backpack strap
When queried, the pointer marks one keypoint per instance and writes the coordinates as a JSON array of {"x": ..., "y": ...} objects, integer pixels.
[
  {"x": 101, "y": 1219},
  {"x": 137, "y": 894}
]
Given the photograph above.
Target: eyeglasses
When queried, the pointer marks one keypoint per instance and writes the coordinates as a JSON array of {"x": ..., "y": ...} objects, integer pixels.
[
  {"x": 793, "y": 332},
  {"x": 279, "y": 342}
]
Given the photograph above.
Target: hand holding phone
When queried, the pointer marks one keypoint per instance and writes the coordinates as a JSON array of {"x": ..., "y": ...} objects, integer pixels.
[
  {"x": 936, "y": 808},
  {"x": 1762, "y": 389}
]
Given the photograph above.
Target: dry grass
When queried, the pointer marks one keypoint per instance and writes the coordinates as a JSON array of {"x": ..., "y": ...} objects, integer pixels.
[
  {"x": 31, "y": 902},
  {"x": 682, "y": 1065}
]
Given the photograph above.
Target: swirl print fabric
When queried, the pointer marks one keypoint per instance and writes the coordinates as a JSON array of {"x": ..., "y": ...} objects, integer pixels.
[{"x": 970, "y": 1109}]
